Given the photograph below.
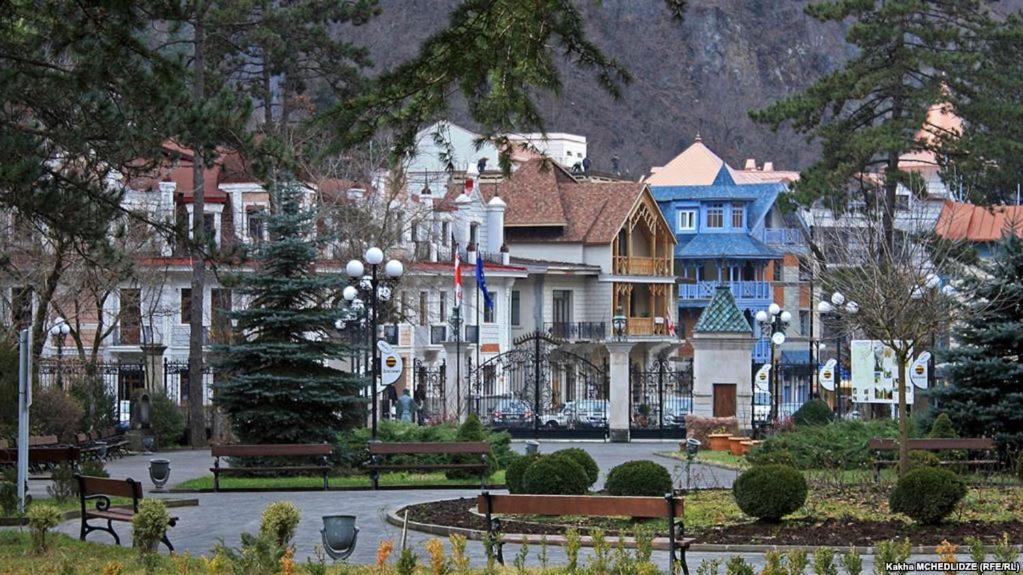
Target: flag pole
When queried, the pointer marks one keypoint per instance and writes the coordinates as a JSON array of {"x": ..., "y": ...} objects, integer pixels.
[{"x": 479, "y": 332}]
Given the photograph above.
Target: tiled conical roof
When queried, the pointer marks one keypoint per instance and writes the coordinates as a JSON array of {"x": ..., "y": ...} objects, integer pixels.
[{"x": 722, "y": 315}]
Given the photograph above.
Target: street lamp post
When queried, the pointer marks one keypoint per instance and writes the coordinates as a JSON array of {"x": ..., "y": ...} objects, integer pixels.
[
  {"x": 837, "y": 309},
  {"x": 774, "y": 321},
  {"x": 456, "y": 325},
  {"x": 59, "y": 331},
  {"x": 370, "y": 284}
]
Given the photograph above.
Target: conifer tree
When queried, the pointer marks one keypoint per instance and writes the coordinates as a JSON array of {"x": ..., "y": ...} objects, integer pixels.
[
  {"x": 278, "y": 388},
  {"x": 984, "y": 397}
]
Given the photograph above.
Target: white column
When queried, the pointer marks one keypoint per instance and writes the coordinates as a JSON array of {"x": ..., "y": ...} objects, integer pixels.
[
  {"x": 456, "y": 392},
  {"x": 619, "y": 393}
]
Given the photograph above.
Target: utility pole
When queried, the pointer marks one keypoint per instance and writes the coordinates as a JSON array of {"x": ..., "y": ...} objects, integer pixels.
[{"x": 24, "y": 402}]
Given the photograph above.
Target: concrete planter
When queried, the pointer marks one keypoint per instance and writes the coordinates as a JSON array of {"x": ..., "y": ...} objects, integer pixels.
[
  {"x": 719, "y": 441},
  {"x": 735, "y": 444}
]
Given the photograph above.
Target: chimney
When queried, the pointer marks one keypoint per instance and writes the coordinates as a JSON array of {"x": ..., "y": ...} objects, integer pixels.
[
  {"x": 768, "y": 166},
  {"x": 751, "y": 165},
  {"x": 495, "y": 224}
]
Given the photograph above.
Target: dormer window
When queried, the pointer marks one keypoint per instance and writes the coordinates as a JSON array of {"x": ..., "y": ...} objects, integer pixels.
[
  {"x": 474, "y": 234},
  {"x": 738, "y": 216},
  {"x": 256, "y": 224},
  {"x": 687, "y": 220},
  {"x": 716, "y": 216}
]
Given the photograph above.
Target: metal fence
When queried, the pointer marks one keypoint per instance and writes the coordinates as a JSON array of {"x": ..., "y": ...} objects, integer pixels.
[
  {"x": 175, "y": 381},
  {"x": 660, "y": 397},
  {"x": 794, "y": 388},
  {"x": 119, "y": 378}
]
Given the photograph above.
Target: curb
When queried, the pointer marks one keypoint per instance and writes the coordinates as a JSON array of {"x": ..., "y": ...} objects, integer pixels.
[
  {"x": 76, "y": 514},
  {"x": 321, "y": 490},
  {"x": 659, "y": 543},
  {"x": 700, "y": 462}
]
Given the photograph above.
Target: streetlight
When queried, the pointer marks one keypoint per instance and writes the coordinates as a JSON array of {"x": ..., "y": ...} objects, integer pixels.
[
  {"x": 370, "y": 284},
  {"x": 59, "y": 331},
  {"x": 619, "y": 323},
  {"x": 456, "y": 324},
  {"x": 774, "y": 321},
  {"x": 837, "y": 309}
]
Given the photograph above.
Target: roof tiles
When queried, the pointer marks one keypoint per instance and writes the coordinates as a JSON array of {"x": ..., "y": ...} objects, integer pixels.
[{"x": 722, "y": 315}]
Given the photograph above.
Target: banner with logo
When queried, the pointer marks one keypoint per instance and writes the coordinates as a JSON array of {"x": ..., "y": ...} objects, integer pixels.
[
  {"x": 391, "y": 365},
  {"x": 918, "y": 372},
  {"x": 827, "y": 375},
  {"x": 761, "y": 381},
  {"x": 873, "y": 373}
]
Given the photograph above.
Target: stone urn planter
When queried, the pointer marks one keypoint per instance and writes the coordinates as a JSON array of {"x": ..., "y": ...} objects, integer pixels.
[
  {"x": 718, "y": 441},
  {"x": 735, "y": 444},
  {"x": 339, "y": 536}
]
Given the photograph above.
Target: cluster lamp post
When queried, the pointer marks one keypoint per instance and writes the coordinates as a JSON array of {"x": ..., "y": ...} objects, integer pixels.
[{"x": 774, "y": 321}]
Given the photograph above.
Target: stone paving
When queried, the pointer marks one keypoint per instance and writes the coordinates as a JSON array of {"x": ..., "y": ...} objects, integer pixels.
[{"x": 223, "y": 516}]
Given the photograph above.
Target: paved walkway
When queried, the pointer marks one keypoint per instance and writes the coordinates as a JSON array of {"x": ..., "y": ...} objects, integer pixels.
[{"x": 224, "y": 516}]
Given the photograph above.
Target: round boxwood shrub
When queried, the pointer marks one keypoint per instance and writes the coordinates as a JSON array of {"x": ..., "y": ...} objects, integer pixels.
[
  {"x": 638, "y": 478},
  {"x": 770, "y": 492},
  {"x": 918, "y": 458},
  {"x": 584, "y": 459},
  {"x": 927, "y": 494},
  {"x": 516, "y": 470},
  {"x": 551, "y": 475},
  {"x": 813, "y": 412}
]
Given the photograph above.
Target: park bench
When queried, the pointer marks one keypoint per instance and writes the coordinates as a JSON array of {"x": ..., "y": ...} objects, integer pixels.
[
  {"x": 42, "y": 458},
  {"x": 320, "y": 451},
  {"x": 378, "y": 451},
  {"x": 91, "y": 448},
  {"x": 669, "y": 507},
  {"x": 115, "y": 441},
  {"x": 100, "y": 490},
  {"x": 879, "y": 445},
  {"x": 42, "y": 440}
]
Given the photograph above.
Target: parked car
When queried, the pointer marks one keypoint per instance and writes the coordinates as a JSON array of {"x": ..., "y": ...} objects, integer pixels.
[
  {"x": 675, "y": 411},
  {"x": 761, "y": 406},
  {"x": 511, "y": 413},
  {"x": 573, "y": 414}
]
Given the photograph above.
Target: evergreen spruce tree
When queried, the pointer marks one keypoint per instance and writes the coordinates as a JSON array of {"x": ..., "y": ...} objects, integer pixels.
[
  {"x": 278, "y": 388},
  {"x": 985, "y": 392}
]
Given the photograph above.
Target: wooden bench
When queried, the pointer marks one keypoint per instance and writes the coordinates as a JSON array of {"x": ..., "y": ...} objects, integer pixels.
[
  {"x": 115, "y": 441},
  {"x": 879, "y": 445},
  {"x": 90, "y": 447},
  {"x": 42, "y": 440},
  {"x": 100, "y": 490},
  {"x": 378, "y": 451},
  {"x": 669, "y": 507},
  {"x": 318, "y": 450},
  {"x": 41, "y": 458}
]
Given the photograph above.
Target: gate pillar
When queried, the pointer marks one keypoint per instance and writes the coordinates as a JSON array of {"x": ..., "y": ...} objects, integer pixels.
[
  {"x": 456, "y": 391},
  {"x": 618, "y": 396}
]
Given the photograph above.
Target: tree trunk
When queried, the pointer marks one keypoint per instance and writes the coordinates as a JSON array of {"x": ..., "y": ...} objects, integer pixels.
[
  {"x": 196, "y": 412},
  {"x": 900, "y": 378},
  {"x": 39, "y": 330}
]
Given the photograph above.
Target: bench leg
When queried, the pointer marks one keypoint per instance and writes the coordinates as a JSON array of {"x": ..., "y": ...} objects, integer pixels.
[
  {"x": 86, "y": 529},
  {"x": 374, "y": 477},
  {"x": 167, "y": 542},
  {"x": 325, "y": 484},
  {"x": 216, "y": 480}
]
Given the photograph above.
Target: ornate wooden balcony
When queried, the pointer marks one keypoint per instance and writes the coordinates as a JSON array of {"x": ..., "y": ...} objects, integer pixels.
[{"x": 642, "y": 266}]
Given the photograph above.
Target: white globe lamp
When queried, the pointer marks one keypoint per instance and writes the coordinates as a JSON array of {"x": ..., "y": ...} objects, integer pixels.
[
  {"x": 374, "y": 256},
  {"x": 394, "y": 269},
  {"x": 786, "y": 316},
  {"x": 761, "y": 316},
  {"x": 837, "y": 298},
  {"x": 774, "y": 309},
  {"x": 350, "y": 293},
  {"x": 355, "y": 269},
  {"x": 778, "y": 338}
]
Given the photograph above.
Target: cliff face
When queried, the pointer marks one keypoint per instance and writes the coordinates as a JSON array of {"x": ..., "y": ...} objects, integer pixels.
[{"x": 699, "y": 76}]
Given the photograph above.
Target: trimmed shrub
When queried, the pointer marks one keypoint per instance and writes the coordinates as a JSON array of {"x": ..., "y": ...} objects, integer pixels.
[
  {"x": 813, "y": 412},
  {"x": 770, "y": 492},
  {"x": 927, "y": 494},
  {"x": 583, "y": 459},
  {"x": 758, "y": 456},
  {"x": 64, "y": 486},
  {"x": 638, "y": 478},
  {"x": 54, "y": 412},
  {"x": 943, "y": 428},
  {"x": 99, "y": 405},
  {"x": 93, "y": 468},
  {"x": 551, "y": 475},
  {"x": 41, "y": 518},
  {"x": 280, "y": 519},
  {"x": 353, "y": 453},
  {"x": 470, "y": 430},
  {"x": 516, "y": 471},
  {"x": 166, "y": 420},
  {"x": 918, "y": 458},
  {"x": 149, "y": 525},
  {"x": 838, "y": 445}
]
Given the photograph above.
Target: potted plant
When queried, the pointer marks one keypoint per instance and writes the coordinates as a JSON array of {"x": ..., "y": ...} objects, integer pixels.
[
  {"x": 735, "y": 444},
  {"x": 719, "y": 439},
  {"x": 644, "y": 415}
]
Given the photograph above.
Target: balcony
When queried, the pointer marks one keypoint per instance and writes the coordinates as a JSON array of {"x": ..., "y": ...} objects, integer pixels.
[
  {"x": 646, "y": 326},
  {"x": 582, "y": 330},
  {"x": 741, "y": 290},
  {"x": 785, "y": 238},
  {"x": 642, "y": 266}
]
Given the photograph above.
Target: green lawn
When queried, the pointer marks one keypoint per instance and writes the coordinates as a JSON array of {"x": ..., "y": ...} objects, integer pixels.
[{"x": 398, "y": 479}]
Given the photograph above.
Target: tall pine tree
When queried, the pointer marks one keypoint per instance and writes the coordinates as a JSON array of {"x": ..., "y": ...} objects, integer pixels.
[
  {"x": 985, "y": 395},
  {"x": 278, "y": 388}
]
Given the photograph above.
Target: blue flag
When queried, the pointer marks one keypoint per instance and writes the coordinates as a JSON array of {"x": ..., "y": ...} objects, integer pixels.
[{"x": 481, "y": 282}]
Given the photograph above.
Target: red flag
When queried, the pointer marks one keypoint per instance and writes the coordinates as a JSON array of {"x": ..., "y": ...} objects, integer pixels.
[{"x": 458, "y": 279}]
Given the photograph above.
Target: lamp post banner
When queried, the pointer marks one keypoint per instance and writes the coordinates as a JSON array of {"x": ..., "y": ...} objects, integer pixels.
[
  {"x": 827, "y": 375},
  {"x": 918, "y": 371},
  {"x": 391, "y": 364},
  {"x": 873, "y": 373},
  {"x": 762, "y": 378}
]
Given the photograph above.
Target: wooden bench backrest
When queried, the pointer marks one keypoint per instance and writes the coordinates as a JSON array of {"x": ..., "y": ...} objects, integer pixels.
[
  {"x": 43, "y": 454},
  {"x": 590, "y": 505},
  {"x": 278, "y": 450},
  {"x": 113, "y": 487},
  {"x": 478, "y": 447},
  {"x": 978, "y": 443},
  {"x": 110, "y": 432},
  {"x": 42, "y": 440}
]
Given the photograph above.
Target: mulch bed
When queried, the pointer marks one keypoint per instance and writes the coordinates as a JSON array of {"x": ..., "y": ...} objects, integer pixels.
[{"x": 832, "y": 532}]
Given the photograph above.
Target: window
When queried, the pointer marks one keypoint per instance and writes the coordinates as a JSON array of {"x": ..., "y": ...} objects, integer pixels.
[
  {"x": 490, "y": 313},
  {"x": 805, "y": 271},
  {"x": 737, "y": 217},
  {"x": 776, "y": 264},
  {"x": 220, "y": 316},
  {"x": 716, "y": 216},
  {"x": 424, "y": 302},
  {"x": 687, "y": 220},
  {"x": 561, "y": 308},
  {"x": 209, "y": 227},
  {"x": 130, "y": 316},
  {"x": 445, "y": 231},
  {"x": 516, "y": 307},
  {"x": 186, "y": 304},
  {"x": 804, "y": 322},
  {"x": 474, "y": 235},
  {"x": 257, "y": 226},
  {"x": 443, "y": 312}
]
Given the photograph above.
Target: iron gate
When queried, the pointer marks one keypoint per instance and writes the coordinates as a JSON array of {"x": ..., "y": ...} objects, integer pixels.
[
  {"x": 428, "y": 390},
  {"x": 660, "y": 398},
  {"x": 120, "y": 378},
  {"x": 540, "y": 387}
]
